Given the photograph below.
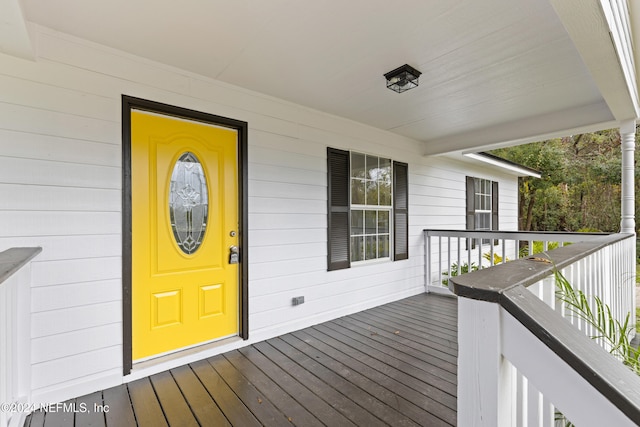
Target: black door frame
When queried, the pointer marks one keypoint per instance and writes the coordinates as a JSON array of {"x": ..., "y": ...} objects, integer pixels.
[{"x": 130, "y": 103}]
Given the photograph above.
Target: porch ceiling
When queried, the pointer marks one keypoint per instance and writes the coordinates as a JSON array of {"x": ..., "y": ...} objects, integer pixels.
[{"x": 494, "y": 71}]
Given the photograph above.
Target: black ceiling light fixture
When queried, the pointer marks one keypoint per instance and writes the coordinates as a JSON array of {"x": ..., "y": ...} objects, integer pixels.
[{"x": 402, "y": 78}]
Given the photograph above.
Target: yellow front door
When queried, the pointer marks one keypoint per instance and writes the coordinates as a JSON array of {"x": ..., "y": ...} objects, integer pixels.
[{"x": 184, "y": 186}]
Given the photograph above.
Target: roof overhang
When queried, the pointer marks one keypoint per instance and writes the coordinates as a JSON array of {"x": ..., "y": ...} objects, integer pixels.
[
  {"x": 494, "y": 73},
  {"x": 511, "y": 167}
]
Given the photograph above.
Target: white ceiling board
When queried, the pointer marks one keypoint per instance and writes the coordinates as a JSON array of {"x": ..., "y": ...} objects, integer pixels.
[
  {"x": 14, "y": 32},
  {"x": 486, "y": 64}
]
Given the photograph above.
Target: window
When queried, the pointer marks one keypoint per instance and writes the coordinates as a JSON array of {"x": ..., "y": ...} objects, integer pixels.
[
  {"x": 368, "y": 208},
  {"x": 482, "y": 205}
]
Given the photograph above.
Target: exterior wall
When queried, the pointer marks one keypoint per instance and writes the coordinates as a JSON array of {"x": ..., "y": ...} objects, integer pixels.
[{"x": 60, "y": 169}]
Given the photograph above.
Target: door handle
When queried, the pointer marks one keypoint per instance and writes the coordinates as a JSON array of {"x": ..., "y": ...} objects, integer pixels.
[{"x": 234, "y": 255}]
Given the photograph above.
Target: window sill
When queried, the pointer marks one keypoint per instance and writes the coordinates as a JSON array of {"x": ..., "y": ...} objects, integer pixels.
[{"x": 370, "y": 262}]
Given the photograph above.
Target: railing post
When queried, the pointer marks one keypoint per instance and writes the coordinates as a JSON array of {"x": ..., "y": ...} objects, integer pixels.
[
  {"x": 427, "y": 261},
  {"x": 484, "y": 376},
  {"x": 15, "y": 332}
]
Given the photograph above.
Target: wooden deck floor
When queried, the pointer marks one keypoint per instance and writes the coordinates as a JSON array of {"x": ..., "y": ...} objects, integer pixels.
[{"x": 392, "y": 365}]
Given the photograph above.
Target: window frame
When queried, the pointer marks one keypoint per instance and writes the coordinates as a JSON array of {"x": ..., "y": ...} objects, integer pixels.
[
  {"x": 366, "y": 207},
  {"x": 472, "y": 194}
]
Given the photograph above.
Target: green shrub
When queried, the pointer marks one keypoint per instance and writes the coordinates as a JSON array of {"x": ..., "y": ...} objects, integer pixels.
[{"x": 455, "y": 271}]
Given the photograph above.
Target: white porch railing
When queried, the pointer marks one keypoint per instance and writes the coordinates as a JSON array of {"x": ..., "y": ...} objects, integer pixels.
[
  {"x": 450, "y": 253},
  {"x": 15, "y": 333},
  {"x": 519, "y": 360}
]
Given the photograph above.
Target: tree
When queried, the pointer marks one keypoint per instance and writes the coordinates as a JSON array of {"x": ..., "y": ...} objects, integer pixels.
[{"x": 580, "y": 184}]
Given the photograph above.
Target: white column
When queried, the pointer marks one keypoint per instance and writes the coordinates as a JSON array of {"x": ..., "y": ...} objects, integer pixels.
[{"x": 628, "y": 140}]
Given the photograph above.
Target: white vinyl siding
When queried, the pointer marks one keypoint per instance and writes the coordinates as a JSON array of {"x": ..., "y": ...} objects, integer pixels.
[{"x": 61, "y": 178}]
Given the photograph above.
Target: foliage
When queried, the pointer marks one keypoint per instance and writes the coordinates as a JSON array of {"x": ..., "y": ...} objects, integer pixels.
[
  {"x": 580, "y": 184},
  {"x": 614, "y": 334},
  {"x": 497, "y": 259},
  {"x": 538, "y": 247},
  {"x": 455, "y": 271}
]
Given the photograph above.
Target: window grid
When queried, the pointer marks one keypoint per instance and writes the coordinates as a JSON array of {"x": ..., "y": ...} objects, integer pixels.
[
  {"x": 371, "y": 207},
  {"x": 483, "y": 204}
]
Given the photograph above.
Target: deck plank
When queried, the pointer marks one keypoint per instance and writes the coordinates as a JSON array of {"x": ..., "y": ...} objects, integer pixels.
[
  {"x": 173, "y": 404},
  {"x": 234, "y": 409},
  {"x": 299, "y": 365},
  {"x": 290, "y": 407},
  {"x": 324, "y": 412},
  {"x": 94, "y": 416},
  {"x": 62, "y": 415},
  {"x": 428, "y": 379},
  {"x": 201, "y": 403},
  {"x": 429, "y": 332},
  {"x": 393, "y": 365},
  {"x": 120, "y": 412},
  {"x": 357, "y": 383},
  {"x": 420, "y": 352},
  {"x": 257, "y": 402},
  {"x": 423, "y": 409},
  {"x": 144, "y": 401}
]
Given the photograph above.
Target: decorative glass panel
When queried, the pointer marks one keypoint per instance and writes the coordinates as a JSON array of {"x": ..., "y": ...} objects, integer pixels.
[{"x": 188, "y": 203}]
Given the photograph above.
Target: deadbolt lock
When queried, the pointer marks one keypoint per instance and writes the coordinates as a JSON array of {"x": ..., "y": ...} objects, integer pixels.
[{"x": 234, "y": 256}]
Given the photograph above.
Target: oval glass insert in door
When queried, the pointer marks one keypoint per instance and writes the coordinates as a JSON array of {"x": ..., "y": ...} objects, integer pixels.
[{"x": 188, "y": 203}]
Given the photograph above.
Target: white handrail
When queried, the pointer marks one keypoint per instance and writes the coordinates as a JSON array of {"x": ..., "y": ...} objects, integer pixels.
[{"x": 518, "y": 359}]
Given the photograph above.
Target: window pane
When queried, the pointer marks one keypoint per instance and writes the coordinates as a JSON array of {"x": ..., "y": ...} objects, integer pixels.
[
  {"x": 370, "y": 247},
  {"x": 385, "y": 193},
  {"x": 383, "y": 221},
  {"x": 483, "y": 221},
  {"x": 357, "y": 191},
  {"x": 383, "y": 246},
  {"x": 372, "y": 167},
  {"x": 357, "y": 222},
  {"x": 372, "y": 193},
  {"x": 385, "y": 167},
  {"x": 357, "y": 165},
  {"x": 370, "y": 221},
  {"x": 357, "y": 249}
]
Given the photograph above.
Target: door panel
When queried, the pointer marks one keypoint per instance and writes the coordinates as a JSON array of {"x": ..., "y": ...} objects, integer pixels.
[{"x": 184, "y": 208}]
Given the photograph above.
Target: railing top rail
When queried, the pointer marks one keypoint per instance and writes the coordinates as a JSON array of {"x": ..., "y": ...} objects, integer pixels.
[
  {"x": 506, "y": 284},
  {"x": 487, "y": 284},
  {"x": 14, "y": 259},
  {"x": 556, "y": 236},
  {"x": 605, "y": 373}
]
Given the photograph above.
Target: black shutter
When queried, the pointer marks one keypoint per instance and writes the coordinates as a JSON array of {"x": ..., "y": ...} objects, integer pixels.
[
  {"x": 494, "y": 206},
  {"x": 471, "y": 209},
  {"x": 338, "y": 209},
  {"x": 400, "y": 211},
  {"x": 471, "y": 205}
]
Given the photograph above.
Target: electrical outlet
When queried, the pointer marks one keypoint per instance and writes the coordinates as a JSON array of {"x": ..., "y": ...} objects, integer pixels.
[{"x": 297, "y": 300}]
